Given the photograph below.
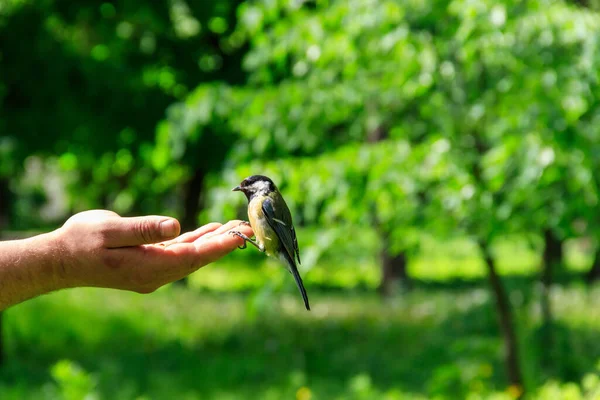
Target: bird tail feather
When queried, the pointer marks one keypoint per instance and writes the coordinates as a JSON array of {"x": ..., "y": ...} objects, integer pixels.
[{"x": 294, "y": 271}]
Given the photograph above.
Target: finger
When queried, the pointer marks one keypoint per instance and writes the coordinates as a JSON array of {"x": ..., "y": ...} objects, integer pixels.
[
  {"x": 185, "y": 258},
  {"x": 134, "y": 231},
  {"x": 206, "y": 249},
  {"x": 189, "y": 237},
  {"x": 153, "y": 266},
  {"x": 223, "y": 242},
  {"x": 204, "y": 232},
  {"x": 231, "y": 225}
]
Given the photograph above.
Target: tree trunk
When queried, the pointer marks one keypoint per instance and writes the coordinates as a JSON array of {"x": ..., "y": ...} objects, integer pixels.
[
  {"x": 393, "y": 270},
  {"x": 192, "y": 203},
  {"x": 552, "y": 259},
  {"x": 505, "y": 320},
  {"x": 393, "y": 273},
  {"x": 594, "y": 273},
  {"x": 192, "y": 206},
  {"x": 4, "y": 216},
  {"x": 393, "y": 267},
  {"x": 4, "y": 204},
  {"x": 583, "y": 3}
]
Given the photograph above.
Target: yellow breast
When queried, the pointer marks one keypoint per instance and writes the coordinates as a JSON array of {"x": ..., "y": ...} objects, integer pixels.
[{"x": 263, "y": 232}]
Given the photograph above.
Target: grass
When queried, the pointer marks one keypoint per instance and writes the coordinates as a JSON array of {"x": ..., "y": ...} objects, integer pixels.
[
  {"x": 206, "y": 346},
  {"x": 179, "y": 344},
  {"x": 241, "y": 333}
]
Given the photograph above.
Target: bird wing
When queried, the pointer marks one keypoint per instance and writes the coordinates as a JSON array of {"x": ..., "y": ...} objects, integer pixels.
[{"x": 280, "y": 219}]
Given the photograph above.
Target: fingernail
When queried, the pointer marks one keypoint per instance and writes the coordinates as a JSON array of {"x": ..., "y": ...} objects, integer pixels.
[{"x": 169, "y": 228}]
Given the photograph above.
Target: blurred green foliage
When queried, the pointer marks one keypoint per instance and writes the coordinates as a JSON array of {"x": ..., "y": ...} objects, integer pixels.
[
  {"x": 86, "y": 85},
  {"x": 396, "y": 127},
  {"x": 469, "y": 116}
]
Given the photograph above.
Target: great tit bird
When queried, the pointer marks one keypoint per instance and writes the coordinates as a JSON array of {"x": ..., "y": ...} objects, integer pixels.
[{"x": 271, "y": 221}]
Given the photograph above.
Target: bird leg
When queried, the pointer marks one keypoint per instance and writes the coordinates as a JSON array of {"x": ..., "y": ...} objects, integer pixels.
[{"x": 260, "y": 247}]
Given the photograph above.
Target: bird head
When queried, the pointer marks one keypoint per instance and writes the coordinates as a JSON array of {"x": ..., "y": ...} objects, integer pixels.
[{"x": 256, "y": 185}]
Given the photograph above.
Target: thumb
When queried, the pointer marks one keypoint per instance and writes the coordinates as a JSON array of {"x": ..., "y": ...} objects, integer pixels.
[{"x": 135, "y": 231}]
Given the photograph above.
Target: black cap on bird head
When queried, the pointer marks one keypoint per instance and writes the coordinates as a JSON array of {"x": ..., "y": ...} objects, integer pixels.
[{"x": 256, "y": 184}]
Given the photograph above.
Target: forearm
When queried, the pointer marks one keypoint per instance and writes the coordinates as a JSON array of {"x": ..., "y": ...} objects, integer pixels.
[{"x": 29, "y": 268}]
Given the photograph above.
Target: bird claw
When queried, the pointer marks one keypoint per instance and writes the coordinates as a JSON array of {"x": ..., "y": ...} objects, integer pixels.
[
  {"x": 239, "y": 234},
  {"x": 244, "y": 223}
]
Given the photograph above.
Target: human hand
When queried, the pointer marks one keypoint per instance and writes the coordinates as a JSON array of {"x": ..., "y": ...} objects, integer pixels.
[{"x": 99, "y": 248}]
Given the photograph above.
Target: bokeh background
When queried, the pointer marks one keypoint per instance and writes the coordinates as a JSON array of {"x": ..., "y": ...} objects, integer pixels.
[{"x": 440, "y": 159}]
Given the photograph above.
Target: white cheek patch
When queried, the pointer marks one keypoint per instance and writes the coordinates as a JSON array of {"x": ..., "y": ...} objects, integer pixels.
[{"x": 261, "y": 186}]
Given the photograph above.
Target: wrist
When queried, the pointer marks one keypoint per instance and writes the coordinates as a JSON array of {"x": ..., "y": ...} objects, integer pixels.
[
  {"x": 52, "y": 261},
  {"x": 29, "y": 268}
]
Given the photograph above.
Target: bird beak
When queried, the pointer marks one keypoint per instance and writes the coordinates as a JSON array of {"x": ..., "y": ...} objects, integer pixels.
[{"x": 236, "y": 189}]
